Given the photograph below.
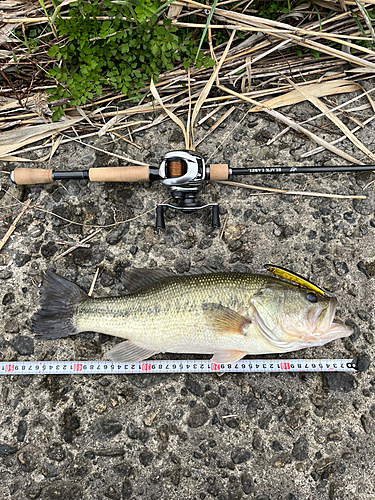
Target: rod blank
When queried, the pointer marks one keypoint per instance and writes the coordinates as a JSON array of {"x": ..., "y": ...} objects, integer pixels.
[{"x": 301, "y": 170}]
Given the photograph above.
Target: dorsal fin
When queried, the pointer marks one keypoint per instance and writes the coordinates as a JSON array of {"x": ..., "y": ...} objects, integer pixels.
[{"x": 136, "y": 279}]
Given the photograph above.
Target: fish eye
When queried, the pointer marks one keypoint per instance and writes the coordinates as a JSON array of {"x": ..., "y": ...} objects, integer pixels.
[{"x": 311, "y": 297}]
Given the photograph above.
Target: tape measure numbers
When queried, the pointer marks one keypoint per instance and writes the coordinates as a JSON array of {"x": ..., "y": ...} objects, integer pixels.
[{"x": 175, "y": 366}]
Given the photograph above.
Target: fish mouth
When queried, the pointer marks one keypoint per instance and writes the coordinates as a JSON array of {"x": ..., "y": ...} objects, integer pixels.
[
  {"x": 321, "y": 318},
  {"x": 327, "y": 327}
]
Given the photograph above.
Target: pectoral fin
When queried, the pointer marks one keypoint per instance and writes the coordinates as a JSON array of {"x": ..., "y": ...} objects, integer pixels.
[
  {"x": 127, "y": 352},
  {"x": 225, "y": 320},
  {"x": 227, "y": 356}
]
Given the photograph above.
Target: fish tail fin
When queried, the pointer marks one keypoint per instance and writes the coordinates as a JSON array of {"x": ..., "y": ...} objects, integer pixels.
[{"x": 58, "y": 303}]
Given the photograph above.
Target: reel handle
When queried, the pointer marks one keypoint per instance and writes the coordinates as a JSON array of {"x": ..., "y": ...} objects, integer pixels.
[{"x": 26, "y": 176}]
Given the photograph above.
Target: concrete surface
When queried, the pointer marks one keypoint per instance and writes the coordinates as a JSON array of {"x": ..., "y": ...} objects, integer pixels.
[{"x": 198, "y": 437}]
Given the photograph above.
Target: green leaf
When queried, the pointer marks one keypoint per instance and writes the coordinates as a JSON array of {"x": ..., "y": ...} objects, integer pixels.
[{"x": 53, "y": 50}]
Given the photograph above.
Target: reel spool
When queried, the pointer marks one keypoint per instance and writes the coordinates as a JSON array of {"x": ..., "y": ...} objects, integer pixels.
[{"x": 176, "y": 168}]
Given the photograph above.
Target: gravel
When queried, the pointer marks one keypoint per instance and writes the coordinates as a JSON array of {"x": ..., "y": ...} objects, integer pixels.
[{"x": 201, "y": 436}]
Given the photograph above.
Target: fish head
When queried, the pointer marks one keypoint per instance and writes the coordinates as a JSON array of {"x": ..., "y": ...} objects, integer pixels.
[{"x": 291, "y": 317}]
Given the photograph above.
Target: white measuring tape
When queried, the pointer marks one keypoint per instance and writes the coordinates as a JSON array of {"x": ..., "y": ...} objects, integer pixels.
[{"x": 175, "y": 366}]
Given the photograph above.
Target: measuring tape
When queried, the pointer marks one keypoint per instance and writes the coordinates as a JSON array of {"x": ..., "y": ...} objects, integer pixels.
[{"x": 176, "y": 366}]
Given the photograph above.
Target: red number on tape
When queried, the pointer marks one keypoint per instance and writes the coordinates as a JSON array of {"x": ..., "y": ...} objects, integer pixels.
[
  {"x": 146, "y": 367},
  {"x": 77, "y": 367},
  {"x": 285, "y": 366},
  {"x": 215, "y": 366},
  {"x": 9, "y": 368}
]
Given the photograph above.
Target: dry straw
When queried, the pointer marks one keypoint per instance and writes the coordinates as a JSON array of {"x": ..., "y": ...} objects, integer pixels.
[{"x": 263, "y": 58}]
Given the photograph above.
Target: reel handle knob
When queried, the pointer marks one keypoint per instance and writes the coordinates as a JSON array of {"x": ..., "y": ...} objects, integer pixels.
[
  {"x": 160, "y": 224},
  {"x": 215, "y": 216}
]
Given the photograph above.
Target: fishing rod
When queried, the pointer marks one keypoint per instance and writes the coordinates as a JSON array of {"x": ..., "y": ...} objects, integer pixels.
[{"x": 183, "y": 172}]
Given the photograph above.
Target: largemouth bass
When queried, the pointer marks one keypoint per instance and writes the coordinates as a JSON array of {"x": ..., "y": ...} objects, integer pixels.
[{"x": 228, "y": 315}]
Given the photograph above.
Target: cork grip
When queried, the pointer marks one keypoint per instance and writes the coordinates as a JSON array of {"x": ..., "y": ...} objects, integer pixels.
[
  {"x": 219, "y": 172},
  {"x": 23, "y": 176},
  {"x": 119, "y": 174}
]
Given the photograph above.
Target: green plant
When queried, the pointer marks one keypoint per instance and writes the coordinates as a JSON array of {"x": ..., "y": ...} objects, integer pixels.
[
  {"x": 271, "y": 9},
  {"x": 368, "y": 16},
  {"x": 123, "y": 51}
]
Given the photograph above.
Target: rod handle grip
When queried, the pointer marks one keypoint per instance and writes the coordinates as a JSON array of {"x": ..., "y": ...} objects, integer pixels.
[
  {"x": 120, "y": 174},
  {"x": 219, "y": 172},
  {"x": 23, "y": 176}
]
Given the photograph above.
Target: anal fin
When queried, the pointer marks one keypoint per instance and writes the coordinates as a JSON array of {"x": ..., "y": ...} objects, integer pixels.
[
  {"x": 127, "y": 352},
  {"x": 227, "y": 356}
]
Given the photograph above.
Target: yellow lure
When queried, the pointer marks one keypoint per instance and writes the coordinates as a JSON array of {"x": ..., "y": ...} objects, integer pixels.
[{"x": 295, "y": 278}]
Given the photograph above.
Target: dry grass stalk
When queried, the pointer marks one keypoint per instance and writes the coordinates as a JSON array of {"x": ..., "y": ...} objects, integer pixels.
[
  {"x": 126, "y": 140},
  {"x": 331, "y": 116},
  {"x": 124, "y": 158},
  {"x": 216, "y": 124},
  {"x": 315, "y": 89},
  {"x": 70, "y": 243},
  {"x": 171, "y": 115},
  {"x": 295, "y": 126},
  {"x": 285, "y": 191},
  {"x": 14, "y": 224},
  {"x": 224, "y": 226},
  {"x": 339, "y": 107},
  {"x": 11, "y": 141},
  {"x": 63, "y": 141},
  {"x": 210, "y": 115},
  {"x": 189, "y": 129},
  {"x": 208, "y": 86},
  {"x": 93, "y": 282},
  {"x": 55, "y": 144},
  {"x": 336, "y": 141},
  {"x": 265, "y": 54},
  {"x": 88, "y": 238}
]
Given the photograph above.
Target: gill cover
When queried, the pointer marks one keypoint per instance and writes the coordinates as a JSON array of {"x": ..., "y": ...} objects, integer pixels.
[{"x": 288, "y": 316}]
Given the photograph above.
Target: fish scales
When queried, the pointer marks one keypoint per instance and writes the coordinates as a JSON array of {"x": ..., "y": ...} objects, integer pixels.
[
  {"x": 171, "y": 309},
  {"x": 225, "y": 314}
]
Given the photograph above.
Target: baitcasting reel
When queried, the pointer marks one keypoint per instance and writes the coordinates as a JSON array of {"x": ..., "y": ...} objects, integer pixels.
[{"x": 184, "y": 172}]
